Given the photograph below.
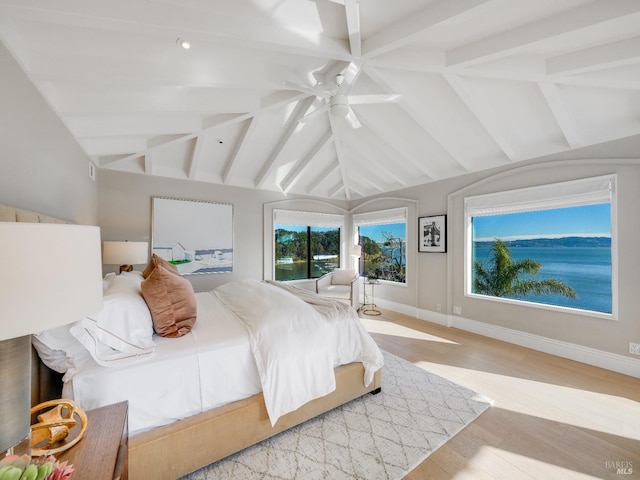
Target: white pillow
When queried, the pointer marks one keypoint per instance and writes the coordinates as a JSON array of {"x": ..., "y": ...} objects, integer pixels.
[
  {"x": 123, "y": 328},
  {"x": 342, "y": 276},
  {"x": 55, "y": 348}
]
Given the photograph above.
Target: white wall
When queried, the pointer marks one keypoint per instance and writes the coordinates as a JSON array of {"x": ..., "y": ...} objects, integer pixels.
[{"x": 43, "y": 167}]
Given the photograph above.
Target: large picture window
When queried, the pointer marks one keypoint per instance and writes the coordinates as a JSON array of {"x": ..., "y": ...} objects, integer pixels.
[
  {"x": 383, "y": 239},
  {"x": 307, "y": 245},
  {"x": 552, "y": 245}
]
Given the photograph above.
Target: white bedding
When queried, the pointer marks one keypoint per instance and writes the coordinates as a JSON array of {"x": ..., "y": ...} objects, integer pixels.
[{"x": 215, "y": 365}]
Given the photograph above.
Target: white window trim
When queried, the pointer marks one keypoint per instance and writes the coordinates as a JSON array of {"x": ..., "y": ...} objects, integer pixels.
[
  {"x": 573, "y": 193},
  {"x": 301, "y": 218},
  {"x": 385, "y": 217}
]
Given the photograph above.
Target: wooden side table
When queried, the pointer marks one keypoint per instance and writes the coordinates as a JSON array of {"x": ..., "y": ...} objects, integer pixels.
[{"x": 102, "y": 453}]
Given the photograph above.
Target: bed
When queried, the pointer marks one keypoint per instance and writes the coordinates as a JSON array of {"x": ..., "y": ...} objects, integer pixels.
[{"x": 178, "y": 428}]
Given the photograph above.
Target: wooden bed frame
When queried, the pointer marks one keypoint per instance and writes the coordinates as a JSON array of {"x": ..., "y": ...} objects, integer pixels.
[{"x": 168, "y": 452}]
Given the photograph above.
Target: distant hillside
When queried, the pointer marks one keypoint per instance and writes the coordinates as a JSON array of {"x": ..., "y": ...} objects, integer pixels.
[{"x": 565, "y": 242}]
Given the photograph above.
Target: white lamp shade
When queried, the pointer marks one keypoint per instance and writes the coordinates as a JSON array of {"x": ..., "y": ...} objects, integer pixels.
[
  {"x": 356, "y": 251},
  {"x": 51, "y": 275},
  {"x": 125, "y": 253}
]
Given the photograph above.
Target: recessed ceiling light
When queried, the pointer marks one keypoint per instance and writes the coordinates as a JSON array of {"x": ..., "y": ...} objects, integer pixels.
[{"x": 183, "y": 43}]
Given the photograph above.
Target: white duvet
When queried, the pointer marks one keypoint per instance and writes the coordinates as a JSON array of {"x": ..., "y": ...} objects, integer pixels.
[
  {"x": 249, "y": 337},
  {"x": 290, "y": 341}
]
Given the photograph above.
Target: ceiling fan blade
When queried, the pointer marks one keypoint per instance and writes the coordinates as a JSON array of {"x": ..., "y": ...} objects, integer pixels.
[
  {"x": 351, "y": 74},
  {"x": 306, "y": 89},
  {"x": 352, "y": 119},
  {"x": 360, "y": 99},
  {"x": 310, "y": 116}
]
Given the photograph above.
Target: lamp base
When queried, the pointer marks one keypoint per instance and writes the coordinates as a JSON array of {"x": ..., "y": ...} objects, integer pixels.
[
  {"x": 23, "y": 447},
  {"x": 126, "y": 268}
]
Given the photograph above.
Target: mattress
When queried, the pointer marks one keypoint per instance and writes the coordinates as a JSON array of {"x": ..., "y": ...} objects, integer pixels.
[{"x": 209, "y": 367}]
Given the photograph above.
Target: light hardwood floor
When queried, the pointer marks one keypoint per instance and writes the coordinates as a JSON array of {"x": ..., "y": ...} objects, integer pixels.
[{"x": 552, "y": 418}]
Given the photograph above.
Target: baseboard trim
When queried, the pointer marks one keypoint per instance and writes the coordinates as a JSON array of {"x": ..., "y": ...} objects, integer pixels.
[
  {"x": 572, "y": 351},
  {"x": 579, "y": 353}
]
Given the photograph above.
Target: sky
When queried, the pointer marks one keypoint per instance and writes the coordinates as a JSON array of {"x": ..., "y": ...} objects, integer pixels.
[
  {"x": 584, "y": 221},
  {"x": 374, "y": 232}
]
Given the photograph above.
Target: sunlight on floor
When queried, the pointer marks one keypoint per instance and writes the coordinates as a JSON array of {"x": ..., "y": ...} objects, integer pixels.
[
  {"x": 387, "y": 328},
  {"x": 516, "y": 465},
  {"x": 557, "y": 402}
]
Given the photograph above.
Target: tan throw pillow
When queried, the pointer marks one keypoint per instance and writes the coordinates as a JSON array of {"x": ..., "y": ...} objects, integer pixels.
[
  {"x": 156, "y": 260},
  {"x": 171, "y": 301}
]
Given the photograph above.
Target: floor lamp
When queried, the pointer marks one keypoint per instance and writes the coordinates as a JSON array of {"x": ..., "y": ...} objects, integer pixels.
[{"x": 51, "y": 275}]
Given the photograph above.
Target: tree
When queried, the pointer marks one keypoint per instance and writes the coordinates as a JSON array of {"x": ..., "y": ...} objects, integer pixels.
[{"x": 500, "y": 276}]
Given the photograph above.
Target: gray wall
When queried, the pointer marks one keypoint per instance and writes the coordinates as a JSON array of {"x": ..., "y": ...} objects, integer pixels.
[
  {"x": 43, "y": 167},
  {"x": 440, "y": 277},
  {"x": 125, "y": 214}
]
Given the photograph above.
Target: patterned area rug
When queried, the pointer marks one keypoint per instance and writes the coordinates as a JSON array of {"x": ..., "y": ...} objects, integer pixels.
[{"x": 377, "y": 437}]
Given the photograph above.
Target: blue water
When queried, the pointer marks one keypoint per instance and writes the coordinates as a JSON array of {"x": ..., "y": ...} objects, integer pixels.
[{"x": 586, "y": 269}]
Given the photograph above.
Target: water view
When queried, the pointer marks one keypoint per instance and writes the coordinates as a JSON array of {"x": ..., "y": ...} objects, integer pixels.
[{"x": 587, "y": 269}]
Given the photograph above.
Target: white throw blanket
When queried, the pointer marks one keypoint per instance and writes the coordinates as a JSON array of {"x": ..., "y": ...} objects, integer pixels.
[{"x": 290, "y": 341}]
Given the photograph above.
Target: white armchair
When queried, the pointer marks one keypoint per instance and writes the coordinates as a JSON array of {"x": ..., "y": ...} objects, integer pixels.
[{"x": 341, "y": 284}]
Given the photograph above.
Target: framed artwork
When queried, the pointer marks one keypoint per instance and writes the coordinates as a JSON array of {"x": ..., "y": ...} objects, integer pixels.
[
  {"x": 432, "y": 234},
  {"x": 196, "y": 236}
]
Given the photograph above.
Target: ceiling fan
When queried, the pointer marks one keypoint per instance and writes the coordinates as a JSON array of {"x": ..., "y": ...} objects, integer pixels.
[{"x": 337, "y": 102}]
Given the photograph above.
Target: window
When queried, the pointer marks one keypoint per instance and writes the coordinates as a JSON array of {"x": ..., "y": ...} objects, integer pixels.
[
  {"x": 551, "y": 245},
  {"x": 383, "y": 238},
  {"x": 307, "y": 245}
]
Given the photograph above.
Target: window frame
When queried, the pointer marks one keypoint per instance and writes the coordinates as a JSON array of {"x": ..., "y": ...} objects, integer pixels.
[
  {"x": 586, "y": 191},
  {"x": 385, "y": 217},
  {"x": 299, "y": 218}
]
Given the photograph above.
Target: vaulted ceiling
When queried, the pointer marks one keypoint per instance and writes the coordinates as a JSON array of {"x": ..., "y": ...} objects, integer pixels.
[{"x": 465, "y": 85}]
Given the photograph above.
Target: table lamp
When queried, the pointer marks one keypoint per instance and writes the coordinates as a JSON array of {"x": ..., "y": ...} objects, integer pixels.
[
  {"x": 125, "y": 254},
  {"x": 51, "y": 275}
]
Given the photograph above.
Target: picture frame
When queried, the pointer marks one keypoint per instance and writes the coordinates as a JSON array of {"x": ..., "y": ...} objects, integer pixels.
[
  {"x": 194, "y": 235},
  {"x": 432, "y": 234}
]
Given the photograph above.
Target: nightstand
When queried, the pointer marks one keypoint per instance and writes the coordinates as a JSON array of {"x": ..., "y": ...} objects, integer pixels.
[{"x": 102, "y": 453}]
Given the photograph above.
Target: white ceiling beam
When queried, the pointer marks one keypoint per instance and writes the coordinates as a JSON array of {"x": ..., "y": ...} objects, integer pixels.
[
  {"x": 486, "y": 118},
  {"x": 114, "y": 146},
  {"x": 369, "y": 180},
  {"x": 217, "y": 121},
  {"x": 373, "y": 164},
  {"x": 523, "y": 37},
  {"x": 352, "y": 10},
  {"x": 448, "y": 146},
  {"x": 534, "y": 75},
  {"x": 296, "y": 172},
  {"x": 322, "y": 176},
  {"x": 179, "y": 102},
  {"x": 241, "y": 145},
  {"x": 336, "y": 189},
  {"x": 196, "y": 156},
  {"x": 616, "y": 54},
  {"x": 559, "y": 110},
  {"x": 407, "y": 29},
  {"x": 394, "y": 143},
  {"x": 290, "y": 127},
  {"x": 148, "y": 163},
  {"x": 94, "y": 126}
]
